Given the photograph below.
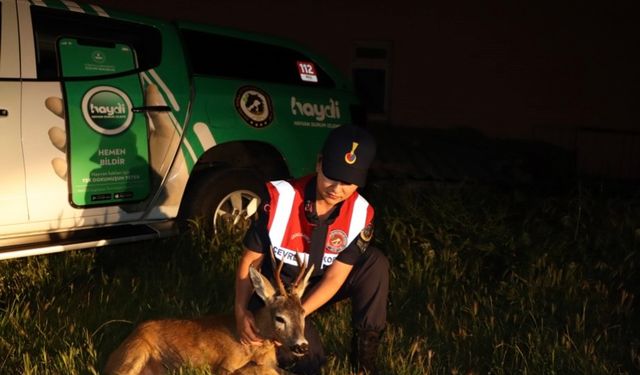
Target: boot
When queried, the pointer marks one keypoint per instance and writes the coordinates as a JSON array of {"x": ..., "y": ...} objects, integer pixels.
[{"x": 364, "y": 351}]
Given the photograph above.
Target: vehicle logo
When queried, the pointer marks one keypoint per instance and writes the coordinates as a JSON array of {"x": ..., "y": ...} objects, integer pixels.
[
  {"x": 337, "y": 241},
  {"x": 107, "y": 110},
  {"x": 254, "y": 105},
  {"x": 320, "y": 112}
]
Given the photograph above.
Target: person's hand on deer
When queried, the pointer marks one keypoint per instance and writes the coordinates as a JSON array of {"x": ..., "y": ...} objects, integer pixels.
[
  {"x": 323, "y": 221},
  {"x": 245, "y": 321},
  {"x": 247, "y": 331}
]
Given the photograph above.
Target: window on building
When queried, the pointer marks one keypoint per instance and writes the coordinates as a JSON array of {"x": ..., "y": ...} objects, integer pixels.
[{"x": 370, "y": 73}]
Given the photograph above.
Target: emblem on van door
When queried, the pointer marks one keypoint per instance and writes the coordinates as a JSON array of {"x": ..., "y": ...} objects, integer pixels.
[
  {"x": 107, "y": 110},
  {"x": 254, "y": 105}
]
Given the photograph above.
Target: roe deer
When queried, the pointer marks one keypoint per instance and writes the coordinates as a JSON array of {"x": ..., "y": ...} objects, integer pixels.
[{"x": 157, "y": 346}]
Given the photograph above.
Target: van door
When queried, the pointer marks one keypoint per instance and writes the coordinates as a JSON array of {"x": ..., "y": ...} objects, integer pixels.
[{"x": 13, "y": 205}]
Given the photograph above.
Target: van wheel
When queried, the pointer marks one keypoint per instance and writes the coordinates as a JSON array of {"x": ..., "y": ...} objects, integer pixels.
[{"x": 223, "y": 202}]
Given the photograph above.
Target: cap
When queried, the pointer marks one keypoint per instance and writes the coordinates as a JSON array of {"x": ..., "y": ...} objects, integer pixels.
[{"x": 347, "y": 154}]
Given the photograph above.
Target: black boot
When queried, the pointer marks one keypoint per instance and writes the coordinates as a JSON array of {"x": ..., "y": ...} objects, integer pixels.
[{"x": 364, "y": 351}]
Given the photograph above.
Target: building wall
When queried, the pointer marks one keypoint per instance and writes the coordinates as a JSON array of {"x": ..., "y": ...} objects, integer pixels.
[{"x": 530, "y": 70}]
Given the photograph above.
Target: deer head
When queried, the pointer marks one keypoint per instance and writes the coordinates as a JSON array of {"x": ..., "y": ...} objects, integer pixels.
[{"x": 283, "y": 313}]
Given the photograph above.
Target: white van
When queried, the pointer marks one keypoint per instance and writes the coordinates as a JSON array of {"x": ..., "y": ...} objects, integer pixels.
[{"x": 115, "y": 126}]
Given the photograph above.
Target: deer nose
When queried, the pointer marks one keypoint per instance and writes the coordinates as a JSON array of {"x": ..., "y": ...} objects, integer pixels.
[{"x": 300, "y": 349}]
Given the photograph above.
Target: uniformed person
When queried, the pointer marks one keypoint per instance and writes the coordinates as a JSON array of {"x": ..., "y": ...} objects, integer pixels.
[{"x": 325, "y": 221}]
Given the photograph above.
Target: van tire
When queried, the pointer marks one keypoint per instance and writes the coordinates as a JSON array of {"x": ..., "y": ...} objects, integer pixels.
[{"x": 218, "y": 199}]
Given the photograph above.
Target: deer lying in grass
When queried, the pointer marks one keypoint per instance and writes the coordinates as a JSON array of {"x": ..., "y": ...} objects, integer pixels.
[{"x": 157, "y": 346}]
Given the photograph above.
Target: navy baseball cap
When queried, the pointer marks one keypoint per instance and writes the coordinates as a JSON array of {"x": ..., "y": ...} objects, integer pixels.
[{"x": 347, "y": 154}]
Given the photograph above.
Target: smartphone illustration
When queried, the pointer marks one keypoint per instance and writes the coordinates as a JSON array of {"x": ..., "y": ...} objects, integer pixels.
[{"x": 107, "y": 143}]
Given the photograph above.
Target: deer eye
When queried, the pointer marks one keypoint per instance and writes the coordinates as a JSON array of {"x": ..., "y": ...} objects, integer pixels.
[{"x": 280, "y": 320}]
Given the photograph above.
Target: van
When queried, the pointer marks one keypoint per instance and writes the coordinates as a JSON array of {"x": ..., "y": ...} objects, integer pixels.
[{"x": 116, "y": 127}]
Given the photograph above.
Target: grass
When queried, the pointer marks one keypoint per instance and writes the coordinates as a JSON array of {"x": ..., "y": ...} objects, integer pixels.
[{"x": 484, "y": 281}]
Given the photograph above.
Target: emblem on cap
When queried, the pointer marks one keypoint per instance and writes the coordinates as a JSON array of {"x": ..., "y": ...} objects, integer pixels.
[{"x": 350, "y": 157}]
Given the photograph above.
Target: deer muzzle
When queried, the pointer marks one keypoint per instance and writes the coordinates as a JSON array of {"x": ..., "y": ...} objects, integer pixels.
[{"x": 300, "y": 349}]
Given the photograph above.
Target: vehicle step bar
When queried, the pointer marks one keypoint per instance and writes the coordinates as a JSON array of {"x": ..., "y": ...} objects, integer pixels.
[{"x": 18, "y": 247}]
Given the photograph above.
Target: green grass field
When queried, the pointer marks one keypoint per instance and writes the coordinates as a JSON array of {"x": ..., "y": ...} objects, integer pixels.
[{"x": 484, "y": 281}]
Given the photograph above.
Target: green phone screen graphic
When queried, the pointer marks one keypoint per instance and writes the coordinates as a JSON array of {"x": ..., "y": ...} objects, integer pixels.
[{"x": 108, "y": 148}]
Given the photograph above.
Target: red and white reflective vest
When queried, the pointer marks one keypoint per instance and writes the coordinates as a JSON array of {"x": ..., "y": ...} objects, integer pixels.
[{"x": 290, "y": 231}]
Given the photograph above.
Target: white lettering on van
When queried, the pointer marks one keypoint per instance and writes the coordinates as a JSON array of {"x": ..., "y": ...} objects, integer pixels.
[
  {"x": 108, "y": 110},
  {"x": 112, "y": 161},
  {"x": 318, "y": 111},
  {"x": 112, "y": 151}
]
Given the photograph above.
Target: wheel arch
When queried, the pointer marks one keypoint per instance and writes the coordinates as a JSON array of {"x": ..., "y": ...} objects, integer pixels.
[{"x": 261, "y": 158}]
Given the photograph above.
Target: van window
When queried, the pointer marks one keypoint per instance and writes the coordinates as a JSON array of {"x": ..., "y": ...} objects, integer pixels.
[
  {"x": 51, "y": 24},
  {"x": 224, "y": 56}
]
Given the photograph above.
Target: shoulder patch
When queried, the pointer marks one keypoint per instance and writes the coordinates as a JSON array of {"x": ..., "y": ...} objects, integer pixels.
[
  {"x": 365, "y": 237},
  {"x": 367, "y": 233}
]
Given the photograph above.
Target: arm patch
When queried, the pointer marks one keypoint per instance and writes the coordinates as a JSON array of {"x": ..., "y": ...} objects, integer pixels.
[{"x": 365, "y": 237}]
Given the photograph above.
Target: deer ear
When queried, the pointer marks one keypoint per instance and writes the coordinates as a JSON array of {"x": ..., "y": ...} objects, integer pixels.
[
  {"x": 299, "y": 289},
  {"x": 261, "y": 284}
]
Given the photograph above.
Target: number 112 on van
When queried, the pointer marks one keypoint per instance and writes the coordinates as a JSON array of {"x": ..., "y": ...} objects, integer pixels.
[{"x": 307, "y": 71}]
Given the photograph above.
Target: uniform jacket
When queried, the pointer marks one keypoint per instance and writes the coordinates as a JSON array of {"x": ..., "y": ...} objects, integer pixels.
[{"x": 291, "y": 227}]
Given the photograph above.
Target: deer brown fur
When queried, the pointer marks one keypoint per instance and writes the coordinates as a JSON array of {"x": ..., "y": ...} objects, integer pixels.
[{"x": 156, "y": 346}]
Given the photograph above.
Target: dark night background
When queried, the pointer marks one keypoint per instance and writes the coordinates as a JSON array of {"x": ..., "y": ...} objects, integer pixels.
[
  {"x": 551, "y": 85},
  {"x": 532, "y": 270}
]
